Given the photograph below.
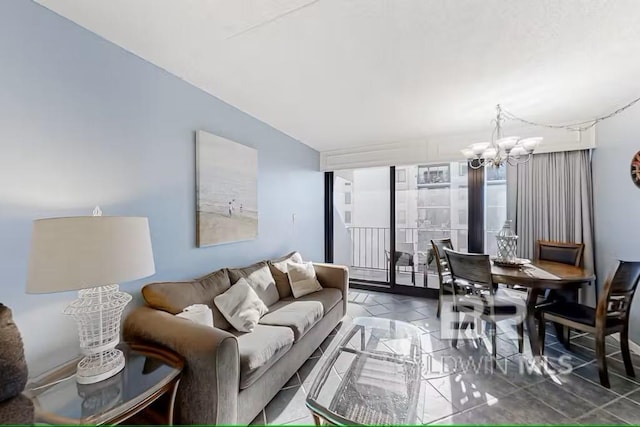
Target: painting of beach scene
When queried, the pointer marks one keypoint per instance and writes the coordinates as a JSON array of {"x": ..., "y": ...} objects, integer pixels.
[{"x": 227, "y": 191}]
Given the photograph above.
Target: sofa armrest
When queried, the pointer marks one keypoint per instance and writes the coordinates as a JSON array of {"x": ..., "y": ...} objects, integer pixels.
[
  {"x": 334, "y": 276},
  {"x": 208, "y": 391}
]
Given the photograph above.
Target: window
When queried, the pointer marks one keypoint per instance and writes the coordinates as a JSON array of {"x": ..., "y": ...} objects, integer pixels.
[
  {"x": 401, "y": 216},
  {"x": 495, "y": 206},
  {"x": 401, "y": 175},
  {"x": 436, "y": 174},
  {"x": 361, "y": 218}
]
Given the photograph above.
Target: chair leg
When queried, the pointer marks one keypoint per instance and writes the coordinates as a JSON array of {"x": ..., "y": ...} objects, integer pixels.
[
  {"x": 520, "y": 337},
  {"x": 626, "y": 354},
  {"x": 541, "y": 333},
  {"x": 601, "y": 356},
  {"x": 439, "y": 304},
  {"x": 457, "y": 326},
  {"x": 566, "y": 332},
  {"x": 494, "y": 344}
]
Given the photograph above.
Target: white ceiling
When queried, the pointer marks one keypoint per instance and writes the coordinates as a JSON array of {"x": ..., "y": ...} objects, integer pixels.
[{"x": 344, "y": 73}]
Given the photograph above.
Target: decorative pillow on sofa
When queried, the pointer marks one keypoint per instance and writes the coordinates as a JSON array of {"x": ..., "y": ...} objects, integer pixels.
[
  {"x": 241, "y": 306},
  {"x": 259, "y": 277},
  {"x": 198, "y": 313},
  {"x": 279, "y": 270},
  {"x": 302, "y": 278}
]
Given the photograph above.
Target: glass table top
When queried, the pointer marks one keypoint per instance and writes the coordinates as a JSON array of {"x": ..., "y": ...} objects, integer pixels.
[
  {"x": 59, "y": 399},
  {"x": 381, "y": 383}
]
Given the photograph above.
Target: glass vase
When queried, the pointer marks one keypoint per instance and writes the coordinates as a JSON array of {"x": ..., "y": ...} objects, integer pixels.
[{"x": 507, "y": 244}]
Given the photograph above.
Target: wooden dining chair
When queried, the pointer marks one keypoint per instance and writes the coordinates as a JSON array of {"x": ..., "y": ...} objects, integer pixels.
[
  {"x": 565, "y": 253},
  {"x": 444, "y": 275},
  {"x": 562, "y": 252},
  {"x": 473, "y": 271},
  {"x": 610, "y": 316}
]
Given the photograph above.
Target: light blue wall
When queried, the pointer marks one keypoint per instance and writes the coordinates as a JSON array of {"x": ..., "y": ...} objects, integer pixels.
[
  {"x": 617, "y": 199},
  {"x": 83, "y": 122}
]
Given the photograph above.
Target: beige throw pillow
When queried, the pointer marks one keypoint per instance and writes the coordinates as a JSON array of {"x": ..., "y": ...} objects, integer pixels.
[
  {"x": 259, "y": 277},
  {"x": 279, "y": 268},
  {"x": 241, "y": 306},
  {"x": 302, "y": 278}
]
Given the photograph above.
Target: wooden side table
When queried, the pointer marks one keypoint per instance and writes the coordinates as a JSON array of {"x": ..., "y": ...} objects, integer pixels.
[{"x": 149, "y": 374}]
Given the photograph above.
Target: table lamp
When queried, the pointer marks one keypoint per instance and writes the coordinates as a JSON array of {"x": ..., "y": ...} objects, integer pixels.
[{"x": 91, "y": 254}]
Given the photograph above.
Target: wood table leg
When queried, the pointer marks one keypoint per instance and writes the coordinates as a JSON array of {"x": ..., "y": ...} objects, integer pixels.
[{"x": 530, "y": 321}]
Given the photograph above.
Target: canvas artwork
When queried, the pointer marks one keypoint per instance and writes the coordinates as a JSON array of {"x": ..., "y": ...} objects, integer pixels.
[{"x": 227, "y": 190}]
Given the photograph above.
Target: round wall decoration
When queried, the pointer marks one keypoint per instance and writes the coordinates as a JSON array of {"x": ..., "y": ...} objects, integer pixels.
[{"x": 635, "y": 169}]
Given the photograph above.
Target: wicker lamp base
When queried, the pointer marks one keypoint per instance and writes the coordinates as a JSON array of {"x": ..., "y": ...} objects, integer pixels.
[
  {"x": 100, "y": 366},
  {"x": 98, "y": 312}
]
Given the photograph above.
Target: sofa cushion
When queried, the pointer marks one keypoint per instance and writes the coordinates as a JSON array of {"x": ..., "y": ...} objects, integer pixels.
[
  {"x": 260, "y": 349},
  {"x": 174, "y": 297},
  {"x": 328, "y": 297},
  {"x": 260, "y": 279},
  {"x": 241, "y": 306},
  {"x": 298, "y": 315},
  {"x": 279, "y": 268}
]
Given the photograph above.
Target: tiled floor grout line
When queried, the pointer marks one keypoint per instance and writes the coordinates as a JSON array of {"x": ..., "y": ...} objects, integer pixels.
[
  {"x": 464, "y": 411},
  {"x": 581, "y": 362}
]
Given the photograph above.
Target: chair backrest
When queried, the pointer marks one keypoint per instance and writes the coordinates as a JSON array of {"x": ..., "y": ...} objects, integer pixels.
[
  {"x": 439, "y": 257},
  {"x": 470, "y": 268},
  {"x": 618, "y": 292},
  {"x": 562, "y": 252}
]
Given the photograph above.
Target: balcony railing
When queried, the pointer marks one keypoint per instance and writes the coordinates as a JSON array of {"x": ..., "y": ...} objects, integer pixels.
[{"x": 370, "y": 256}]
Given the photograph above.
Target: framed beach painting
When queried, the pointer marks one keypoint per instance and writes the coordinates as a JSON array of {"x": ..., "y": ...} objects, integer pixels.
[{"x": 226, "y": 190}]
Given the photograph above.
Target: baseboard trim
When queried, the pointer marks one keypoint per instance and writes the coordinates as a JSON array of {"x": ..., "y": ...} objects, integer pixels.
[{"x": 634, "y": 347}]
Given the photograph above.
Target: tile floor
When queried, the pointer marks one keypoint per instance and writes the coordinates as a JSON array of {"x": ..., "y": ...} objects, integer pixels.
[{"x": 459, "y": 393}]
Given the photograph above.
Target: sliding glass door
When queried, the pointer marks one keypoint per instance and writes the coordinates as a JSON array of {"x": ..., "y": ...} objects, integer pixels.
[
  {"x": 430, "y": 203},
  {"x": 385, "y": 218},
  {"x": 361, "y": 233}
]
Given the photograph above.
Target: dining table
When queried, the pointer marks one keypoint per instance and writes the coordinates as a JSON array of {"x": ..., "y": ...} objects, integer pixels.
[{"x": 538, "y": 276}]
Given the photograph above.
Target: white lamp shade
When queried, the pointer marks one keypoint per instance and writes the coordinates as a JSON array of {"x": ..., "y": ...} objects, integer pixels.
[
  {"x": 468, "y": 153},
  {"x": 87, "y": 251},
  {"x": 508, "y": 143}
]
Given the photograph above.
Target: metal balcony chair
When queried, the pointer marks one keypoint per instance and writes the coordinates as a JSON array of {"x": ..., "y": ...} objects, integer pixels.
[{"x": 401, "y": 259}]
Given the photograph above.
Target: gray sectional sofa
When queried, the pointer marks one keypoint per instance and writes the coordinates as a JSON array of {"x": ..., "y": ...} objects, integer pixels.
[{"x": 230, "y": 376}]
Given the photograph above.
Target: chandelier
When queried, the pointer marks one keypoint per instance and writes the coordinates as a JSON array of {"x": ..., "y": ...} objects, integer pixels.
[{"x": 501, "y": 150}]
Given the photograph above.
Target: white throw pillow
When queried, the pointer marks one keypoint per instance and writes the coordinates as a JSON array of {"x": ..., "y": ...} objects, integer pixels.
[
  {"x": 241, "y": 306},
  {"x": 302, "y": 278},
  {"x": 198, "y": 313}
]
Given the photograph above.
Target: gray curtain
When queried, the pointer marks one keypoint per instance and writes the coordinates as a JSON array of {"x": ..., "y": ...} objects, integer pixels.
[{"x": 554, "y": 201}]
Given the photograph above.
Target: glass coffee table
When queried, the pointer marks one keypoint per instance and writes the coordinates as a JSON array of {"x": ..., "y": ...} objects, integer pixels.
[
  {"x": 382, "y": 364},
  {"x": 149, "y": 373}
]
